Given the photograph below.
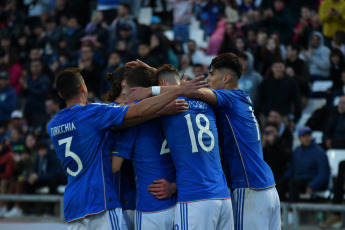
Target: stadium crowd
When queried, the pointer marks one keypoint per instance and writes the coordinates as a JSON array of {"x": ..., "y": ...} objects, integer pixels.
[{"x": 284, "y": 46}]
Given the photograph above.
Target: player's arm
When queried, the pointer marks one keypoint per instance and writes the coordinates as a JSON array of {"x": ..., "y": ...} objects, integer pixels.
[
  {"x": 152, "y": 105},
  {"x": 162, "y": 189},
  {"x": 174, "y": 107},
  {"x": 116, "y": 163}
]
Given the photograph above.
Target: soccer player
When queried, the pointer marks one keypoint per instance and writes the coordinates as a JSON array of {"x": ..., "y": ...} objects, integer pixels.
[
  {"x": 78, "y": 133},
  {"x": 142, "y": 144},
  {"x": 203, "y": 196},
  {"x": 254, "y": 196}
]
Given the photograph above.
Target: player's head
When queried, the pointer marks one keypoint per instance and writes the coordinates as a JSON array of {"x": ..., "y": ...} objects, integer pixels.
[
  {"x": 167, "y": 75},
  {"x": 70, "y": 83},
  {"x": 140, "y": 76},
  {"x": 225, "y": 71},
  {"x": 117, "y": 82}
]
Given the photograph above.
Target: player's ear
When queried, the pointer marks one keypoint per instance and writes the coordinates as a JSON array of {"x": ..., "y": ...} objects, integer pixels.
[
  {"x": 227, "y": 78},
  {"x": 123, "y": 84},
  {"x": 60, "y": 95},
  {"x": 83, "y": 88},
  {"x": 161, "y": 82}
]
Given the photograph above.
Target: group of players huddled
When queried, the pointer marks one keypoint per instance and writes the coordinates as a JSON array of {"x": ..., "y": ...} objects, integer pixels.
[{"x": 167, "y": 141}]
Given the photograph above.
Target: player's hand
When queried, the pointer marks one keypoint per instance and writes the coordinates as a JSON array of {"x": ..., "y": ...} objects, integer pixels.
[
  {"x": 184, "y": 79},
  {"x": 190, "y": 88},
  {"x": 140, "y": 63},
  {"x": 174, "y": 107},
  {"x": 138, "y": 93},
  {"x": 162, "y": 189}
]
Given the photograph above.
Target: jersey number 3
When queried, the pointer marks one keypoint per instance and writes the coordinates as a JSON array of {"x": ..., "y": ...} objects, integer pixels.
[{"x": 68, "y": 153}]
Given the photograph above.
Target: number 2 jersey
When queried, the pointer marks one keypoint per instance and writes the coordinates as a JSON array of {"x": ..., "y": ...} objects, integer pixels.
[
  {"x": 193, "y": 142},
  {"x": 240, "y": 140},
  {"x": 78, "y": 134}
]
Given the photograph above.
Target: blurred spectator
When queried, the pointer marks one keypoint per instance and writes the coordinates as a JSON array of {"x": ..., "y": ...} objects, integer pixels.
[
  {"x": 252, "y": 42},
  {"x": 52, "y": 108},
  {"x": 70, "y": 38},
  {"x": 47, "y": 171},
  {"x": 108, "y": 8},
  {"x": 145, "y": 56},
  {"x": 36, "y": 8},
  {"x": 269, "y": 52},
  {"x": 6, "y": 171},
  {"x": 185, "y": 67},
  {"x": 8, "y": 97},
  {"x": 228, "y": 41},
  {"x": 276, "y": 37},
  {"x": 14, "y": 69},
  {"x": 197, "y": 56},
  {"x": 334, "y": 135},
  {"x": 22, "y": 48},
  {"x": 34, "y": 55},
  {"x": 279, "y": 20},
  {"x": 303, "y": 29},
  {"x": 297, "y": 69},
  {"x": 62, "y": 8},
  {"x": 335, "y": 221},
  {"x": 123, "y": 17},
  {"x": 279, "y": 92},
  {"x": 250, "y": 79},
  {"x": 245, "y": 6},
  {"x": 35, "y": 88},
  {"x": 217, "y": 37},
  {"x": 331, "y": 13},
  {"x": 90, "y": 69},
  {"x": 276, "y": 117},
  {"x": 22, "y": 169},
  {"x": 337, "y": 67},
  {"x": 182, "y": 14},
  {"x": 308, "y": 171},
  {"x": 114, "y": 61},
  {"x": 159, "y": 49},
  {"x": 338, "y": 41},
  {"x": 240, "y": 44},
  {"x": 315, "y": 23},
  {"x": 214, "y": 10},
  {"x": 276, "y": 151},
  {"x": 50, "y": 39},
  {"x": 317, "y": 56},
  {"x": 17, "y": 143},
  {"x": 231, "y": 12},
  {"x": 198, "y": 70},
  {"x": 61, "y": 63}
]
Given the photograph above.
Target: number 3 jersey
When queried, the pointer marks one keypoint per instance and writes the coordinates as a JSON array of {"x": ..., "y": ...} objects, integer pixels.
[
  {"x": 239, "y": 138},
  {"x": 193, "y": 142},
  {"x": 78, "y": 134}
]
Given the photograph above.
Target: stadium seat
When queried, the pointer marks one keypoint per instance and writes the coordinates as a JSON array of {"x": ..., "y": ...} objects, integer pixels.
[
  {"x": 145, "y": 15},
  {"x": 321, "y": 86},
  {"x": 335, "y": 156},
  {"x": 169, "y": 34},
  {"x": 314, "y": 104},
  {"x": 317, "y": 135},
  {"x": 198, "y": 36}
]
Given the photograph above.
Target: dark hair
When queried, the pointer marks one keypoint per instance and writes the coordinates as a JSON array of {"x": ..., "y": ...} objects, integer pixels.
[
  {"x": 68, "y": 82},
  {"x": 126, "y": 5},
  {"x": 141, "y": 76},
  {"x": 229, "y": 61},
  {"x": 294, "y": 47},
  {"x": 278, "y": 60},
  {"x": 167, "y": 69},
  {"x": 243, "y": 55},
  {"x": 198, "y": 65},
  {"x": 115, "y": 79},
  {"x": 41, "y": 145},
  {"x": 272, "y": 124}
]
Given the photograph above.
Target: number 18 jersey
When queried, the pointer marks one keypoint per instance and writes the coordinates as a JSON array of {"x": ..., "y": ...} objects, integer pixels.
[
  {"x": 193, "y": 142},
  {"x": 78, "y": 134}
]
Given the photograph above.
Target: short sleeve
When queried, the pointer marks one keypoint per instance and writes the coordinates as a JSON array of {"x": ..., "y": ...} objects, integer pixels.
[
  {"x": 125, "y": 143},
  {"x": 224, "y": 98},
  {"x": 108, "y": 115}
]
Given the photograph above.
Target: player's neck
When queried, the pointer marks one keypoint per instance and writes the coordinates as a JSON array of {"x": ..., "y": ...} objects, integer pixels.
[
  {"x": 76, "y": 101},
  {"x": 230, "y": 86}
]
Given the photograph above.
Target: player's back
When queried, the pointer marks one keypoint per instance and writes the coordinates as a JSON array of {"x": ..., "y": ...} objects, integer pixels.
[
  {"x": 78, "y": 134},
  {"x": 144, "y": 149},
  {"x": 240, "y": 141},
  {"x": 193, "y": 142}
]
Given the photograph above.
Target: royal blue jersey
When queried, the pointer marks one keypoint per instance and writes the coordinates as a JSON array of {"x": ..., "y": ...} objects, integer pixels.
[
  {"x": 78, "y": 134},
  {"x": 239, "y": 138},
  {"x": 124, "y": 179},
  {"x": 193, "y": 142},
  {"x": 142, "y": 144}
]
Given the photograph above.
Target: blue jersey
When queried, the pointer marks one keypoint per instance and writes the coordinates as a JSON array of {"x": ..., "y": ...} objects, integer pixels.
[
  {"x": 240, "y": 141},
  {"x": 78, "y": 134},
  {"x": 193, "y": 142},
  {"x": 124, "y": 179},
  {"x": 143, "y": 145}
]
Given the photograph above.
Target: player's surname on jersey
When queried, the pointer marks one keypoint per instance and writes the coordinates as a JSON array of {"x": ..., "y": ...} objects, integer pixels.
[
  {"x": 197, "y": 104},
  {"x": 64, "y": 128}
]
